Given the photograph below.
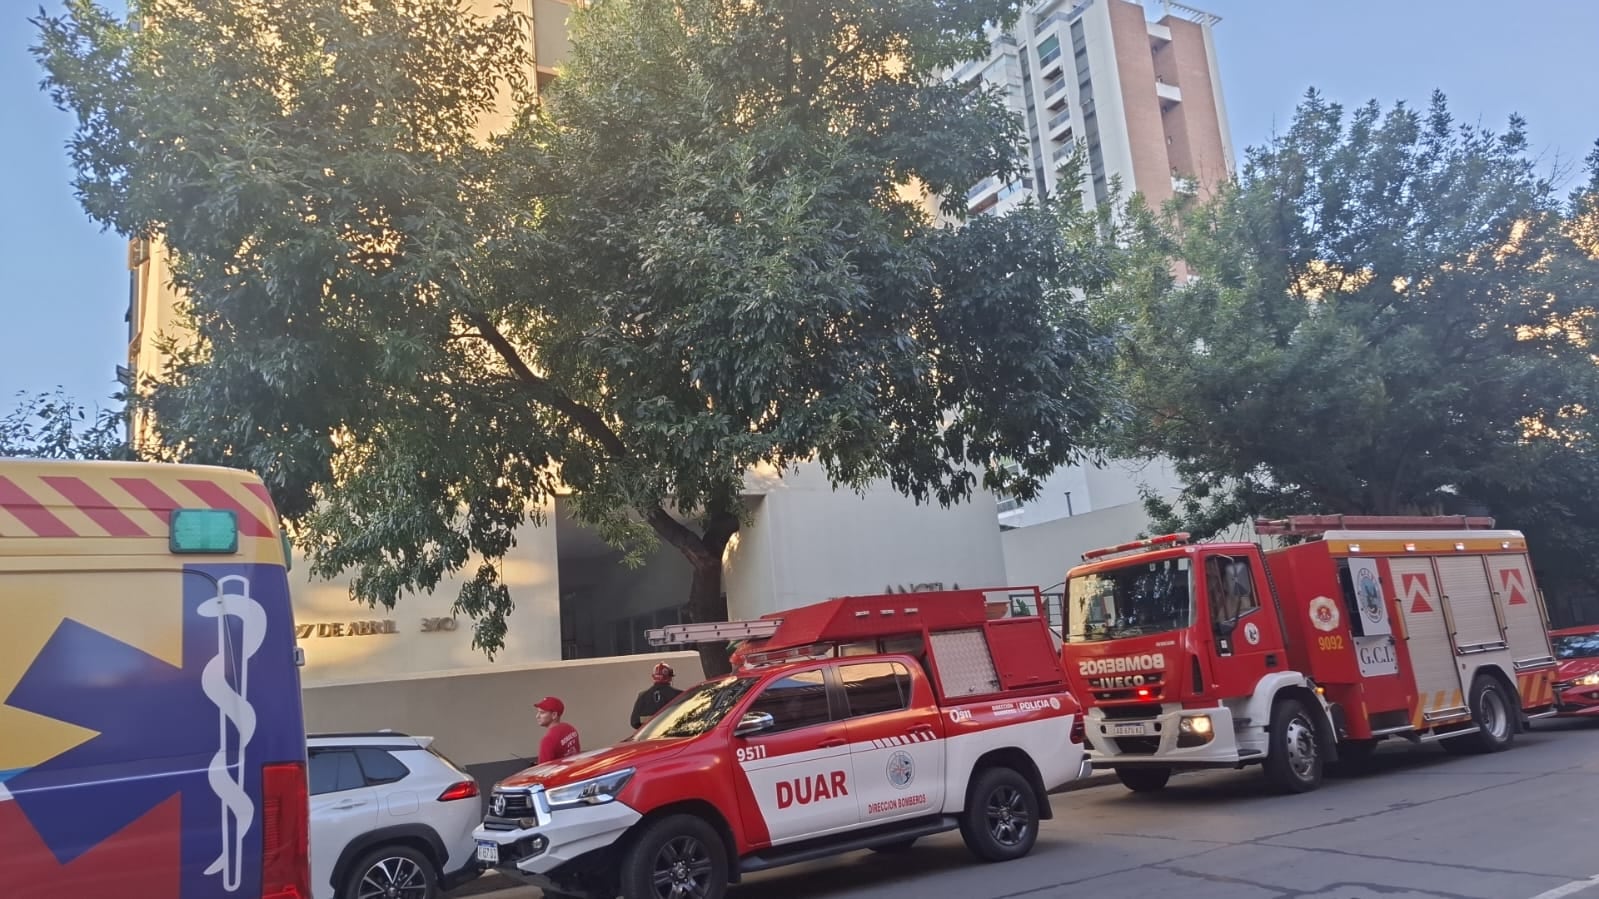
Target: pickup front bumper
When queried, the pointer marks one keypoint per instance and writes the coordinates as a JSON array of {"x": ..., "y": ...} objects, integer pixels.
[{"x": 541, "y": 848}]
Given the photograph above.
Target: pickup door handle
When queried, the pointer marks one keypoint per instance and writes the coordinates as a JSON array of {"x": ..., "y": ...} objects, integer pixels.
[
  {"x": 350, "y": 803},
  {"x": 831, "y": 742}
]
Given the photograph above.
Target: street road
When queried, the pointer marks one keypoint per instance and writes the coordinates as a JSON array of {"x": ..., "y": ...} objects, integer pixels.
[{"x": 1522, "y": 824}]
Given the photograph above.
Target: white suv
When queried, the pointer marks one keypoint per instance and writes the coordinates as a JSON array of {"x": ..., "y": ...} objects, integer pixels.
[{"x": 391, "y": 818}]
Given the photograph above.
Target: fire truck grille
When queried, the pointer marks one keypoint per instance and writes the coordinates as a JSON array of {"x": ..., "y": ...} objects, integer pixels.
[{"x": 1124, "y": 712}]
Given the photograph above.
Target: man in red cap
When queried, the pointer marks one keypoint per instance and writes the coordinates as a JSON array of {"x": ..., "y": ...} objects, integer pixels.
[
  {"x": 561, "y": 740},
  {"x": 655, "y": 698}
]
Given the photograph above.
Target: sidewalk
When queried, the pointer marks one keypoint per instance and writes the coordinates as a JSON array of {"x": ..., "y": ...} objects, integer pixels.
[{"x": 494, "y": 882}]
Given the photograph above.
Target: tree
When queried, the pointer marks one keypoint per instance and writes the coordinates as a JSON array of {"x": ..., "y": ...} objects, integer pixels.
[
  {"x": 55, "y": 426},
  {"x": 1388, "y": 312},
  {"x": 703, "y": 252}
]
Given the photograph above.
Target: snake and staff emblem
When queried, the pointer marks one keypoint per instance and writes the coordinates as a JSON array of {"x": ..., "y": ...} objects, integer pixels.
[{"x": 226, "y": 682}]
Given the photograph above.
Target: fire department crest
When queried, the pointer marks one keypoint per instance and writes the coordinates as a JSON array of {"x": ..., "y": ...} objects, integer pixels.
[
  {"x": 901, "y": 770},
  {"x": 1370, "y": 596},
  {"x": 1324, "y": 614}
]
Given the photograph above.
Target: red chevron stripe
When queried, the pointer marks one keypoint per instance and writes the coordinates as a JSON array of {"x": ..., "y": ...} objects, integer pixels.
[
  {"x": 260, "y": 492},
  {"x": 97, "y": 507},
  {"x": 212, "y": 493},
  {"x": 149, "y": 495},
  {"x": 33, "y": 515}
]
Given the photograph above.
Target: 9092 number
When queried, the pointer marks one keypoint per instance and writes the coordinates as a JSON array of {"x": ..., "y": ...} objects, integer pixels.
[{"x": 1330, "y": 643}]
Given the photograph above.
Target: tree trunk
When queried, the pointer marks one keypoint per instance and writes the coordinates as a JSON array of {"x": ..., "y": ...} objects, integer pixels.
[{"x": 707, "y": 602}]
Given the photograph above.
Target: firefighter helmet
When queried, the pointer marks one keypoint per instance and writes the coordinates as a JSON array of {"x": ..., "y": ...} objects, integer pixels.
[{"x": 662, "y": 673}]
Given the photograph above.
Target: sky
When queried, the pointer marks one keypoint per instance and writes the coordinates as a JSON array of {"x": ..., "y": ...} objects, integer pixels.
[{"x": 62, "y": 322}]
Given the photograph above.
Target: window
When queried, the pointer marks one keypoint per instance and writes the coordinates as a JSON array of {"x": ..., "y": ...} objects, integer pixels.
[
  {"x": 876, "y": 687},
  {"x": 1230, "y": 586},
  {"x": 796, "y": 701},
  {"x": 380, "y": 767},
  {"x": 333, "y": 771}
]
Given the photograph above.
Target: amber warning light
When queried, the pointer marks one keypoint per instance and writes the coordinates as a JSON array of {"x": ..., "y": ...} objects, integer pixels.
[{"x": 1151, "y": 542}]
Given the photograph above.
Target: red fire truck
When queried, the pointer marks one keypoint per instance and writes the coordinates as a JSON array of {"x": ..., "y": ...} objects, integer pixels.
[
  {"x": 863, "y": 722},
  {"x": 1220, "y": 655}
]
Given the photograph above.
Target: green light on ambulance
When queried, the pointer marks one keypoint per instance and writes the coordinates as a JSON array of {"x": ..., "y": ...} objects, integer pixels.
[{"x": 204, "y": 531}]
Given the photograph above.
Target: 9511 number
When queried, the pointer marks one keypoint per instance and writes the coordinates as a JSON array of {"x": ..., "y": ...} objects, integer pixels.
[
  {"x": 1334, "y": 642},
  {"x": 751, "y": 753}
]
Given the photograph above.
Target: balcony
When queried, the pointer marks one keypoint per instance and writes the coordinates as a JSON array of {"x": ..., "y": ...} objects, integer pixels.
[
  {"x": 1049, "y": 63},
  {"x": 1062, "y": 152},
  {"x": 1158, "y": 32},
  {"x": 1168, "y": 93},
  {"x": 1051, "y": 88},
  {"x": 1183, "y": 185},
  {"x": 1060, "y": 121},
  {"x": 986, "y": 186}
]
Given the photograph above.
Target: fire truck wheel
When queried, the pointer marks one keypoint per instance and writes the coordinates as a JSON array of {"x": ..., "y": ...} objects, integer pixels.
[
  {"x": 1490, "y": 711},
  {"x": 1294, "y": 759},
  {"x": 1001, "y": 818},
  {"x": 677, "y": 857},
  {"x": 1144, "y": 780}
]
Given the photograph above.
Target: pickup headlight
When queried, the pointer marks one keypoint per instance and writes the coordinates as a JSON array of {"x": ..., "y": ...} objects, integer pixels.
[
  {"x": 594, "y": 791},
  {"x": 1587, "y": 680}
]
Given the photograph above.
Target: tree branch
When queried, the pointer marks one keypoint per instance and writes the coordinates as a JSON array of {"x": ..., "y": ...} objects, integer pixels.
[{"x": 588, "y": 421}]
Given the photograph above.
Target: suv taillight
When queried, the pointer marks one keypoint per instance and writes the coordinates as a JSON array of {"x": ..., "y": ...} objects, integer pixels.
[
  {"x": 466, "y": 789},
  {"x": 285, "y": 820},
  {"x": 1079, "y": 730}
]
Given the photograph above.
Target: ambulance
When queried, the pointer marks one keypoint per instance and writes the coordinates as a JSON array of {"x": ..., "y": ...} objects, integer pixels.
[
  {"x": 152, "y": 744},
  {"x": 1420, "y": 629},
  {"x": 863, "y": 722}
]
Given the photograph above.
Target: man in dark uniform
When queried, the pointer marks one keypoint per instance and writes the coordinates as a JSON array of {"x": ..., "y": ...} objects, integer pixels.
[{"x": 656, "y": 697}]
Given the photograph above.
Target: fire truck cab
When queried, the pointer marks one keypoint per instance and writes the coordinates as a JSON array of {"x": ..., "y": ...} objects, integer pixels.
[
  {"x": 1220, "y": 655},
  {"x": 861, "y": 722}
]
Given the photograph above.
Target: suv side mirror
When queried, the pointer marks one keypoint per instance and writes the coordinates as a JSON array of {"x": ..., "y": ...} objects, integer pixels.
[{"x": 754, "y": 723}]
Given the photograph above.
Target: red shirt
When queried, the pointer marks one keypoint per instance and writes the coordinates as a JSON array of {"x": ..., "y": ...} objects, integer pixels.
[{"x": 559, "y": 742}]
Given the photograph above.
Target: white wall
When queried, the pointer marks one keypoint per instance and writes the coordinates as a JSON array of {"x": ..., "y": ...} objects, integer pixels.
[
  {"x": 1093, "y": 488},
  {"x": 332, "y": 655},
  {"x": 808, "y": 542},
  {"x": 1042, "y": 554}
]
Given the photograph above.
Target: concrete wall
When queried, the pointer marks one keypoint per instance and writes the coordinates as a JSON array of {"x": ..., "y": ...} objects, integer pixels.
[
  {"x": 345, "y": 641},
  {"x": 483, "y": 720},
  {"x": 1042, "y": 554},
  {"x": 808, "y": 542}
]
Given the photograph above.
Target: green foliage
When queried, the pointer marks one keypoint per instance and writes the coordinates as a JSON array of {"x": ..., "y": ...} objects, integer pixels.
[
  {"x": 694, "y": 258},
  {"x": 1389, "y": 313},
  {"x": 55, "y": 426}
]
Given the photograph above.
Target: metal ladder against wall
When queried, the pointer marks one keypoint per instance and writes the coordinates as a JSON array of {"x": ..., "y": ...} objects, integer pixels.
[{"x": 713, "y": 632}]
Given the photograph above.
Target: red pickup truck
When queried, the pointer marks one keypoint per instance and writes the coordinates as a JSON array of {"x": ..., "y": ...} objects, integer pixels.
[{"x": 861, "y": 723}]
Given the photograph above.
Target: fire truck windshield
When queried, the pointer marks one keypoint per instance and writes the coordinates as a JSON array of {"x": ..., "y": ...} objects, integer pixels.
[
  {"x": 697, "y": 709},
  {"x": 1140, "y": 598}
]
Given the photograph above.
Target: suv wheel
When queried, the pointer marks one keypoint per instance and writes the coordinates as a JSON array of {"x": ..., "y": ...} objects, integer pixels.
[
  {"x": 677, "y": 857},
  {"x": 392, "y": 872},
  {"x": 1001, "y": 818}
]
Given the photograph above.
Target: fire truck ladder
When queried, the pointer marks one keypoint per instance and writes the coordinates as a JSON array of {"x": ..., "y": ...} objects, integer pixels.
[
  {"x": 1310, "y": 525},
  {"x": 713, "y": 632}
]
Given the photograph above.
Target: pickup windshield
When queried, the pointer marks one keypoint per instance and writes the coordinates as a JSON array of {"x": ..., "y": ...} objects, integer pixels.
[
  {"x": 1141, "y": 598},
  {"x": 697, "y": 709}
]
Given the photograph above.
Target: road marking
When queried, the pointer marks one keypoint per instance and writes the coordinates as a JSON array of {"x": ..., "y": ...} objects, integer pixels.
[{"x": 1575, "y": 886}]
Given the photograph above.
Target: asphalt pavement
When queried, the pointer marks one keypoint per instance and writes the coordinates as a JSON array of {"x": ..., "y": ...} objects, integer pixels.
[{"x": 1416, "y": 824}]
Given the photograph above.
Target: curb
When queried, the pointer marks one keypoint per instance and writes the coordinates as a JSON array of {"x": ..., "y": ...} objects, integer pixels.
[{"x": 494, "y": 882}]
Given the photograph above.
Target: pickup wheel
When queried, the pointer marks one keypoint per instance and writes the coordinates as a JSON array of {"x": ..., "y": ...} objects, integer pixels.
[
  {"x": 1001, "y": 818},
  {"x": 1294, "y": 759},
  {"x": 677, "y": 857},
  {"x": 1143, "y": 780}
]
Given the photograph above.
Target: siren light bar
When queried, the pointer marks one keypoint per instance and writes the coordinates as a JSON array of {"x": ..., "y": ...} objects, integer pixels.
[{"x": 1177, "y": 539}]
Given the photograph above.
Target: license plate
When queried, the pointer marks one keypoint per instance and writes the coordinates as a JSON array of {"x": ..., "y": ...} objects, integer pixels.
[
  {"x": 488, "y": 853},
  {"x": 1127, "y": 730}
]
